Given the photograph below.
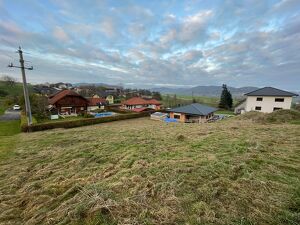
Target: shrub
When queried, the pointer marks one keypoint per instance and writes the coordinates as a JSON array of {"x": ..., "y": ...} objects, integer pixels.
[
  {"x": 86, "y": 115},
  {"x": 79, "y": 123},
  {"x": 39, "y": 106},
  {"x": 3, "y": 93},
  {"x": 279, "y": 116},
  {"x": 118, "y": 110}
]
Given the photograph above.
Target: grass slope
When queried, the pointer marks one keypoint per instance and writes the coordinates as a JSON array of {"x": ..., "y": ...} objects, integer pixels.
[
  {"x": 2, "y": 107},
  {"x": 147, "y": 172},
  {"x": 15, "y": 90},
  {"x": 8, "y": 137}
]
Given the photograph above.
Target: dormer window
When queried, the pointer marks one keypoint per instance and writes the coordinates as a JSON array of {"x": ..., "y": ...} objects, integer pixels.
[{"x": 259, "y": 99}]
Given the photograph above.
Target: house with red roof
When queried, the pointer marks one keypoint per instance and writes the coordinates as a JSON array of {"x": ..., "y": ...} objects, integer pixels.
[
  {"x": 68, "y": 102},
  {"x": 139, "y": 104}
]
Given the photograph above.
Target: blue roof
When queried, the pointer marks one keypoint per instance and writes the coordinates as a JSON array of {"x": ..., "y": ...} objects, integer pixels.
[
  {"x": 270, "y": 91},
  {"x": 194, "y": 109}
]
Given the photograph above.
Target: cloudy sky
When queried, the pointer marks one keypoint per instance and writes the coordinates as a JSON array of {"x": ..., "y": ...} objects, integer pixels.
[{"x": 154, "y": 43}]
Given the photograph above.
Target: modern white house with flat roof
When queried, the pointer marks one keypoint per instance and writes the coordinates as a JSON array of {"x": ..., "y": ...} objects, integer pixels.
[{"x": 267, "y": 100}]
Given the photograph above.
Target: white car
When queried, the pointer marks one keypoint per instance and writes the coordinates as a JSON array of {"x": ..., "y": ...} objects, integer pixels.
[{"x": 16, "y": 107}]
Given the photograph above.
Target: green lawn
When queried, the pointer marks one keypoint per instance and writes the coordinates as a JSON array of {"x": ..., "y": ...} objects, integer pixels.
[
  {"x": 226, "y": 112},
  {"x": 15, "y": 90},
  {"x": 140, "y": 171},
  {"x": 8, "y": 137},
  {"x": 2, "y": 108},
  {"x": 184, "y": 99},
  {"x": 213, "y": 101}
]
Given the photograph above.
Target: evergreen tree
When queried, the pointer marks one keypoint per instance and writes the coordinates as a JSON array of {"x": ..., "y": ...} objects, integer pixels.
[
  {"x": 228, "y": 100},
  {"x": 225, "y": 99}
]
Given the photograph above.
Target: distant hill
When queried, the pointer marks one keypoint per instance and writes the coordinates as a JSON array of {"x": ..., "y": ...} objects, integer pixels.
[
  {"x": 97, "y": 85},
  {"x": 204, "y": 90}
]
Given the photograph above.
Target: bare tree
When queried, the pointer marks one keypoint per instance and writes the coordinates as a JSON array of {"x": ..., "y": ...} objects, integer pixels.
[{"x": 8, "y": 80}]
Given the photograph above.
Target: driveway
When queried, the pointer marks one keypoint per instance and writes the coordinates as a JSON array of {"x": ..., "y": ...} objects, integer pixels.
[{"x": 10, "y": 115}]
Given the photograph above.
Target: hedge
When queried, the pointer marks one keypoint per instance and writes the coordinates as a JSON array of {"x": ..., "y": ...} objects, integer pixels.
[{"x": 79, "y": 123}]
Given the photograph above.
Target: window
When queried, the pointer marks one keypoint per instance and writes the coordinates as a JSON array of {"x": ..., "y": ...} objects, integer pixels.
[
  {"x": 259, "y": 99},
  {"x": 279, "y": 99},
  {"x": 258, "y": 108},
  {"x": 176, "y": 116},
  {"x": 276, "y": 108}
]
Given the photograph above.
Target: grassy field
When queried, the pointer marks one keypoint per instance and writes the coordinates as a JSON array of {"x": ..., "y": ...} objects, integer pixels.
[
  {"x": 213, "y": 101},
  {"x": 8, "y": 137},
  {"x": 184, "y": 99},
  {"x": 2, "y": 108},
  {"x": 15, "y": 90},
  {"x": 226, "y": 112},
  {"x": 168, "y": 101},
  {"x": 140, "y": 171}
]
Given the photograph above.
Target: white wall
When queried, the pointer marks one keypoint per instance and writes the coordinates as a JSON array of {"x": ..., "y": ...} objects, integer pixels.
[
  {"x": 91, "y": 108},
  {"x": 267, "y": 104}
]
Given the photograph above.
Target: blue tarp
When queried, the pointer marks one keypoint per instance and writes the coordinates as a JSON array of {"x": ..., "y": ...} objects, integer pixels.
[
  {"x": 97, "y": 115},
  {"x": 170, "y": 120}
]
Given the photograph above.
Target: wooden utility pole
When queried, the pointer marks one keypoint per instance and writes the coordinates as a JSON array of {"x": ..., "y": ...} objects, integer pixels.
[{"x": 25, "y": 89}]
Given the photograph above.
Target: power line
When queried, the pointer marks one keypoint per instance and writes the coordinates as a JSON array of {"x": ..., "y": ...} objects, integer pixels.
[
  {"x": 25, "y": 89},
  {"x": 8, "y": 55}
]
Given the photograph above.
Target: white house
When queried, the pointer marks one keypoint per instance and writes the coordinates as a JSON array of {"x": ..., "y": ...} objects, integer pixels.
[{"x": 267, "y": 100}]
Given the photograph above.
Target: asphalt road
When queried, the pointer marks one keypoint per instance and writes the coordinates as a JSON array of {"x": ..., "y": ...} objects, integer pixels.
[{"x": 10, "y": 115}]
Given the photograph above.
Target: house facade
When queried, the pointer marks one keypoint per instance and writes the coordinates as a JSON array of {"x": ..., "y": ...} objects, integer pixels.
[
  {"x": 96, "y": 103},
  {"x": 193, "y": 113},
  {"x": 139, "y": 103},
  {"x": 109, "y": 97},
  {"x": 266, "y": 100},
  {"x": 68, "y": 102}
]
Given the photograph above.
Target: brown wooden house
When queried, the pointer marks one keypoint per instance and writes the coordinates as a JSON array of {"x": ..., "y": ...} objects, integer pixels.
[{"x": 68, "y": 102}]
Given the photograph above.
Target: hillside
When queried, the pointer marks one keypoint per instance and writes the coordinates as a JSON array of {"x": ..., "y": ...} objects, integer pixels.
[
  {"x": 7, "y": 91},
  {"x": 14, "y": 90},
  {"x": 146, "y": 172},
  {"x": 204, "y": 90}
]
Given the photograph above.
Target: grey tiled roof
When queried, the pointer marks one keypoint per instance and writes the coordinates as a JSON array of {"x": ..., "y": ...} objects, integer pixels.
[
  {"x": 270, "y": 91},
  {"x": 194, "y": 109}
]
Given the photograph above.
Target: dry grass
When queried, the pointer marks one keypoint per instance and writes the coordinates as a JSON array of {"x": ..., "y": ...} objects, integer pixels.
[
  {"x": 147, "y": 172},
  {"x": 279, "y": 116}
]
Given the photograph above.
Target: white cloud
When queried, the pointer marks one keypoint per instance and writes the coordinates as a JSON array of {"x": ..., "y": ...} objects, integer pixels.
[
  {"x": 107, "y": 26},
  {"x": 189, "y": 29},
  {"x": 145, "y": 43},
  {"x": 60, "y": 34},
  {"x": 194, "y": 25}
]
